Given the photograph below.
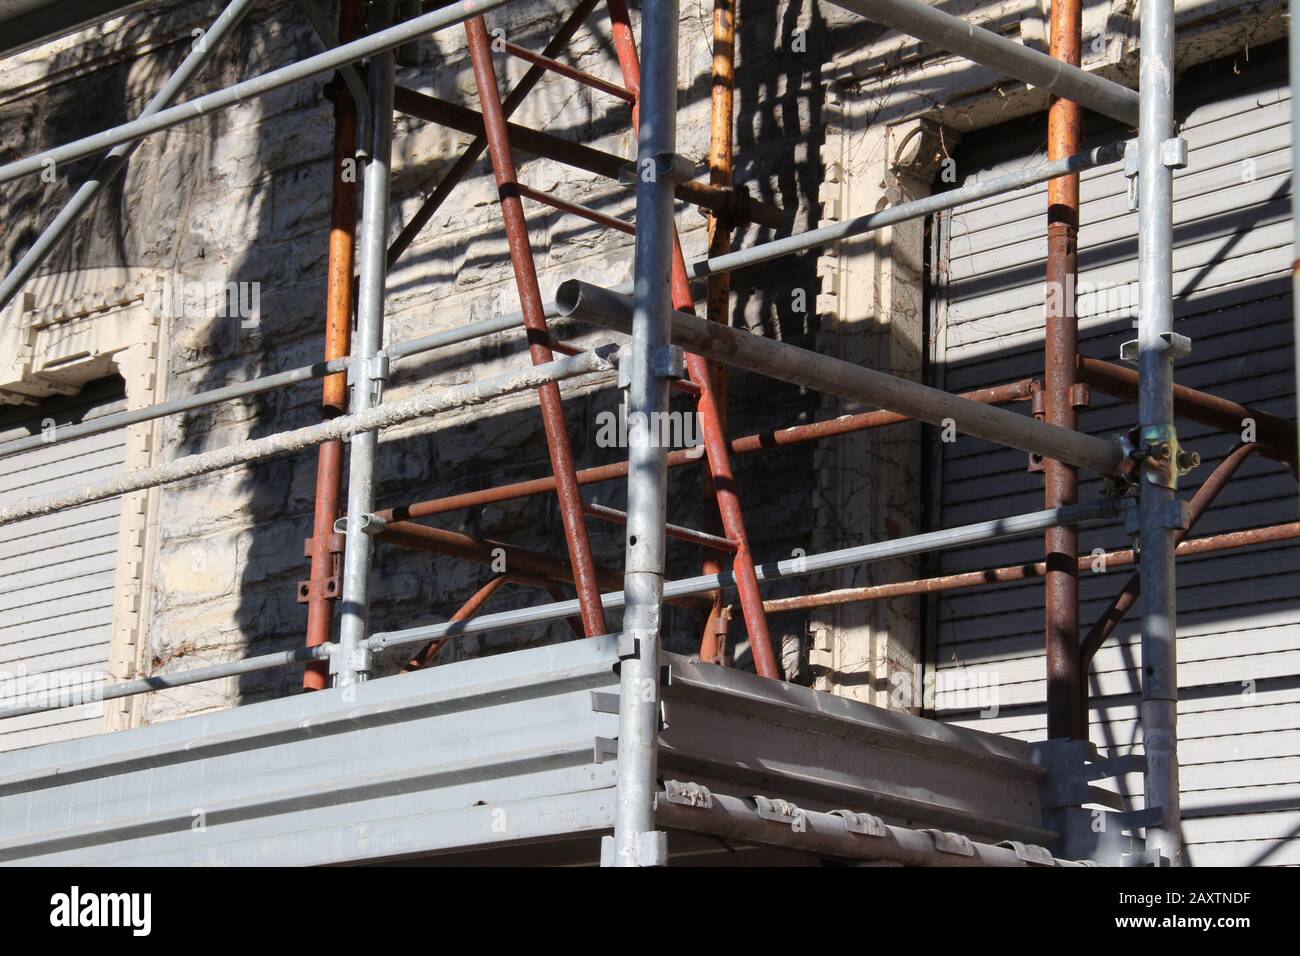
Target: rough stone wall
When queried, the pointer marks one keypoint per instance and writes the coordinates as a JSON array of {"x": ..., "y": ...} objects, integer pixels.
[{"x": 243, "y": 195}]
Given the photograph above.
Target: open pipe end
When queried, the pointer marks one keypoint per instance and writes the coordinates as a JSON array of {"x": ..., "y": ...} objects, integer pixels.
[
  {"x": 595, "y": 304},
  {"x": 568, "y": 297}
]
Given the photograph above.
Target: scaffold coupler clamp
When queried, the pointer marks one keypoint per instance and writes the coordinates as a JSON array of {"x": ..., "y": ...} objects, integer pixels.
[
  {"x": 363, "y": 524},
  {"x": 372, "y": 369},
  {"x": 1177, "y": 346},
  {"x": 650, "y": 849},
  {"x": 361, "y": 659},
  {"x": 1162, "y": 458},
  {"x": 1118, "y": 485},
  {"x": 666, "y": 361},
  {"x": 1173, "y": 153}
]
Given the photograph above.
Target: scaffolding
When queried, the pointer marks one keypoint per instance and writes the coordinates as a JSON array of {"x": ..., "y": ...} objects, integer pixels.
[{"x": 669, "y": 348}]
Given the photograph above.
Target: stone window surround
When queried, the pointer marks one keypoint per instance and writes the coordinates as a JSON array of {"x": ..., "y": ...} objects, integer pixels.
[{"x": 64, "y": 331}]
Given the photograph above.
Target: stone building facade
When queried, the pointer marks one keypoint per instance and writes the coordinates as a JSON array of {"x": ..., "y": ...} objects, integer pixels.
[{"x": 829, "y": 125}]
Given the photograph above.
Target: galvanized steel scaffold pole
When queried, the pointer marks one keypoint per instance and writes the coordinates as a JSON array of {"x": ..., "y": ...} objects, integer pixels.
[
  {"x": 708, "y": 408},
  {"x": 107, "y": 169},
  {"x": 352, "y": 663},
  {"x": 832, "y": 376},
  {"x": 1157, "y": 502},
  {"x": 339, "y": 264},
  {"x": 635, "y": 841}
]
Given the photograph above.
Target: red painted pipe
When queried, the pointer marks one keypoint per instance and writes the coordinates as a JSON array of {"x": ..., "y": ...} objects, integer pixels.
[
  {"x": 748, "y": 444},
  {"x": 475, "y": 149},
  {"x": 1275, "y": 434},
  {"x": 1060, "y": 357},
  {"x": 338, "y": 333},
  {"x": 530, "y": 301}
]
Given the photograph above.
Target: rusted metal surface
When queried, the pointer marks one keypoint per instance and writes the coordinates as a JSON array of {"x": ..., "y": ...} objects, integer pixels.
[
  {"x": 583, "y": 212},
  {"x": 1269, "y": 534},
  {"x": 738, "y": 205},
  {"x": 515, "y": 560},
  {"x": 1132, "y": 589},
  {"x": 1210, "y": 544},
  {"x": 338, "y": 344},
  {"x": 1060, "y": 354},
  {"x": 530, "y": 302},
  {"x": 620, "y": 26},
  {"x": 475, "y": 604},
  {"x": 794, "y": 435},
  {"x": 474, "y": 150},
  {"x": 573, "y": 73},
  {"x": 710, "y": 415},
  {"x": 713, "y": 641},
  {"x": 714, "y": 650},
  {"x": 466, "y": 611},
  {"x": 1275, "y": 434},
  {"x": 785, "y": 362},
  {"x": 690, "y": 535}
]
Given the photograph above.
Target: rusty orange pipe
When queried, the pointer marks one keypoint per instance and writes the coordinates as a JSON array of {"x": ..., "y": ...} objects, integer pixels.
[{"x": 338, "y": 344}]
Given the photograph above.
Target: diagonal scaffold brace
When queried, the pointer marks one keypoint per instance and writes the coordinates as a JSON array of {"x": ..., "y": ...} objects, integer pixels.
[{"x": 530, "y": 297}]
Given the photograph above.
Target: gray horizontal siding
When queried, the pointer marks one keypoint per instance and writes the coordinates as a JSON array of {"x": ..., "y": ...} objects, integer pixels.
[
  {"x": 1239, "y": 612},
  {"x": 57, "y": 572}
]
